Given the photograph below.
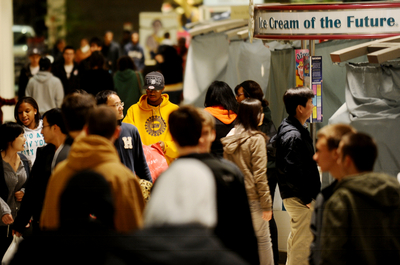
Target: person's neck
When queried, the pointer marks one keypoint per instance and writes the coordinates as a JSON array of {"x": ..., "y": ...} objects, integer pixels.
[
  {"x": 34, "y": 65},
  {"x": 75, "y": 134},
  {"x": 301, "y": 119},
  {"x": 69, "y": 64},
  {"x": 32, "y": 126},
  {"x": 155, "y": 104},
  {"x": 59, "y": 140},
  {"x": 9, "y": 155},
  {"x": 187, "y": 150}
]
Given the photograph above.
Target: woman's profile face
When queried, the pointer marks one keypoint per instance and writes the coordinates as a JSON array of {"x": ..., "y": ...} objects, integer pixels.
[
  {"x": 240, "y": 95},
  {"x": 19, "y": 143},
  {"x": 26, "y": 114}
]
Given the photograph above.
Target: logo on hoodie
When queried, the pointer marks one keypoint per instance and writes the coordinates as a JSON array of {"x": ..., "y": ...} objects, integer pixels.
[{"x": 155, "y": 126}]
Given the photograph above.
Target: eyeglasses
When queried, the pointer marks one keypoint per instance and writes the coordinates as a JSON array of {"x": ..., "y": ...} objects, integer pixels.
[
  {"x": 238, "y": 95},
  {"x": 44, "y": 126},
  {"x": 118, "y": 104}
]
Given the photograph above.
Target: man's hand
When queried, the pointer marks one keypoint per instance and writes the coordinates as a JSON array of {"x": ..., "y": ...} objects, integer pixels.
[
  {"x": 267, "y": 215},
  {"x": 19, "y": 195},
  {"x": 18, "y": 234},
  {"x": 7, "y": 219},
  {"x": 162, "y": 144}
]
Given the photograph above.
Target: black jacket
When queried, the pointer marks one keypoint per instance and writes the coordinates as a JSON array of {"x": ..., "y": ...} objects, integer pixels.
[
  {"x": 35, "y": 190},
  {"x": 234, "y": 227},
  {"x": 23, "y": 80},
  {"x": 298, "y": 174},
  {"x": 176, "y": 244},
  {"x": 221, "y": 130},
  {"x": 69, "y": 84}
]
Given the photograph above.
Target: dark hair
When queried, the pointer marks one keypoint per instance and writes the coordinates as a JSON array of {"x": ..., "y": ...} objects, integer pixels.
[
  {"x": 252, "y": 89},
  {"x": 167, "y": 35},
  {"x": 220, "y": 94},
  {"x": 125, "y": 62},
  {"x": 250, "y": 110},
  {"x": 30, "y": 101},
  {"x": 86, "y": 194},
  {"x": 102, "y": 96},
  {"x": 185, "y": 125},
  {"x": 361, "y": 148},
  {"x": 296, "y": 96},
  {"x": 76, "y": 109},
  {"x": 96, "y": 59},
  {"x": 44, "y": 64},
  {"x": 95, "y": 40},
  {"x": 68, "y": 47},
  {"x": 102, "y": 121},
  {"x": 54, "y": 117},
  {"x": 9, "y": 131}
]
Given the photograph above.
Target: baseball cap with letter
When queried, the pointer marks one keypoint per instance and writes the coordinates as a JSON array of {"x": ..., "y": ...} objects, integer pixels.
[{"x": 154, "y": 80}]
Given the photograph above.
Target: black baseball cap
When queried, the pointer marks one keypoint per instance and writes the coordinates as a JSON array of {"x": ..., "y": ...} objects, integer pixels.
[{"x": 154, "y": 80}]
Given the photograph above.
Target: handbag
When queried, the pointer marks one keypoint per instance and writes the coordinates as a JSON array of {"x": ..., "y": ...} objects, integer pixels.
[{"x": 12, "y": 249}]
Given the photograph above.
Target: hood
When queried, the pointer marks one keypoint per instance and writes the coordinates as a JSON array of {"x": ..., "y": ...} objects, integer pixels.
[
  {"x": 42, "y": 76},
  {"x": 124, "y": 76},
  {"x": 222, "y": 114},
  {"x": 236, "y": 138},
  {"x": 145, "y": 106},
  {"x": 378, "y": 189},
  {"x": 90, "y": 151}
]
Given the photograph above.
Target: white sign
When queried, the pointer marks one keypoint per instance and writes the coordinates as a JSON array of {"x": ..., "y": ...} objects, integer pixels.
[
  {"x": 321, "y": 22},
  {"x": 230, "y": 2}
]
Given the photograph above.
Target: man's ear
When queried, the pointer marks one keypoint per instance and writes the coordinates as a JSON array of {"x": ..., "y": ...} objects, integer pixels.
[
  {"x": 86, "y": 129},
  {"x": 299, "y": 109}
]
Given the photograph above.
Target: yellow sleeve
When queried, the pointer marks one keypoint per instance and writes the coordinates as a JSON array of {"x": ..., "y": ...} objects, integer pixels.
[
  {"x": 129, "y": 118},
  {"x": 171, "y": 152}
]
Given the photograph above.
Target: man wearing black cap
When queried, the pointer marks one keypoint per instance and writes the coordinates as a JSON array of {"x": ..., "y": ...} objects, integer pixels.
[
  {"x": 28, "y": 71},
  {"x": 45, "y": 88},
  {"x": 150, "y": 115}
]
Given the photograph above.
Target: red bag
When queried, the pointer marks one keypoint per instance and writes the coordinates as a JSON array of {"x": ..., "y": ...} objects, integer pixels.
[{"x": 155, "y": 160}]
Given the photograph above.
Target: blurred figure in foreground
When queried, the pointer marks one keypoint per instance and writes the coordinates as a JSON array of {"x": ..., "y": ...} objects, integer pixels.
[{"x": 179, "y": 219}]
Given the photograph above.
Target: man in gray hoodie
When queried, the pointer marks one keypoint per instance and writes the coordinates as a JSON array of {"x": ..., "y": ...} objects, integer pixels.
[{"x": 45, "y": 88}]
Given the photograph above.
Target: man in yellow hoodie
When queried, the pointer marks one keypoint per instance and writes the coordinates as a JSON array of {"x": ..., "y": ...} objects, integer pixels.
[
  {"x": 150, "y": 116},
  {"x": 96, "y": 151}
]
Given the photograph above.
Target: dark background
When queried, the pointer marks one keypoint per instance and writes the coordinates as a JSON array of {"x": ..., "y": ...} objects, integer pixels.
[{"x": 86, "y": 18}]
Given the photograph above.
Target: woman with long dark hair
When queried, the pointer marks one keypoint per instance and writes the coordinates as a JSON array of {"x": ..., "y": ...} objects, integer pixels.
[
  {"x": 245, "y": 145},
  {"x": 221, "y": 103},
  {"x": 128, "y": 82},
  {"x": 26, "y": 113},
  {"x": 14, "y": 171},
  {"x": 251, "y": 89}
]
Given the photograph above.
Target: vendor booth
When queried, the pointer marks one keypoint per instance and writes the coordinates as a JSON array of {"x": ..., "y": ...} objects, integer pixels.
[{"x": 236, "y": 54}]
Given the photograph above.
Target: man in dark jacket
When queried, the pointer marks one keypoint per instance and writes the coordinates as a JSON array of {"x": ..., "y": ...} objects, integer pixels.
[
  {"x": 28, "y": 71},
  {"x": 48, "y": 156},
  {"x": 111, "y": 51},
  {"x": 361, "y": 220},
  {"x": 193, "y": 139},
  {"x": 298, "y": 176},
  {"x": 327, "y": 158},
  {"x": 67, "y": 70}
]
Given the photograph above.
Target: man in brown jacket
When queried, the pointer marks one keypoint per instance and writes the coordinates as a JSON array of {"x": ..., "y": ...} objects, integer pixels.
[{"x": 96, "y": 151}]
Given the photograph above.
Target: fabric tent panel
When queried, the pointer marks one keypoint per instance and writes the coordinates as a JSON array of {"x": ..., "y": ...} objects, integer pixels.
[
  {"x": 206, "y": 62},
  {"x": 250, "y": 61}
]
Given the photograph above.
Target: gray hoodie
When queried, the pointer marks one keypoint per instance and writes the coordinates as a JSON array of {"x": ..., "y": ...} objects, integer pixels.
[{"x": 47, "y": 90}]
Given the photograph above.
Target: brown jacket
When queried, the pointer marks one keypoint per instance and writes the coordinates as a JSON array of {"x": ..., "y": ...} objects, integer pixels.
[
  {"x": 98, "y": 154},
  {"x": 247, "y": 149}
]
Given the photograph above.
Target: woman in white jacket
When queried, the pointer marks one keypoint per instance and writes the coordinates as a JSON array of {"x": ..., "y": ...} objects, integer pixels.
[{"x": 245, "y": 146}]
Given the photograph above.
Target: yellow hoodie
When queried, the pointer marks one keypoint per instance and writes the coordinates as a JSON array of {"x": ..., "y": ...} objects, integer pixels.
[{"x": 152, "y": 123}]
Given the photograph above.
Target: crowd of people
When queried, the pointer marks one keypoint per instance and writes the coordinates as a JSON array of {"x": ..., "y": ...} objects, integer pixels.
[{"x": 77, "y": 184}]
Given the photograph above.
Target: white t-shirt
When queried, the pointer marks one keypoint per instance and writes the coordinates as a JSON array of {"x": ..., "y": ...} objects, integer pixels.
[
  {"x": 34, "y": 70},
  {"x": 68, "y": 69},
  {"x": 34, "y": 139}
]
